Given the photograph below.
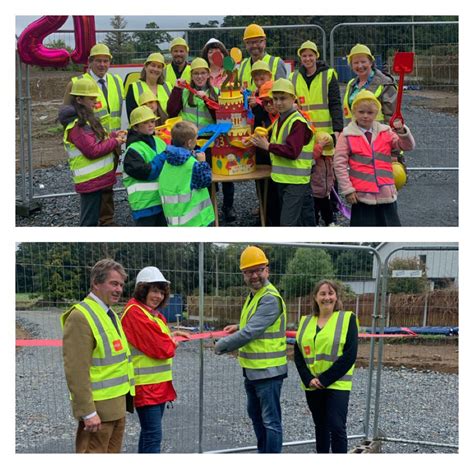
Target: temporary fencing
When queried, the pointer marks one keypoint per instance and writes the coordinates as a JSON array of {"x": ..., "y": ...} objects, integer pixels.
[
  {"x": 210, "y": 412},
  {"x": 436, "y": 68}
]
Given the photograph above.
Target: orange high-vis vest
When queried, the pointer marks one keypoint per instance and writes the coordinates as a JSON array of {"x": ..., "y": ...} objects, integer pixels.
[{"x": 370, "y": 166}]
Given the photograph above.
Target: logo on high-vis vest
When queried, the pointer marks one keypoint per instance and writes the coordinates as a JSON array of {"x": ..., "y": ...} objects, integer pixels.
[
  {"x": 117, "y": 345},
  {"x": 307, "y": 349},
  {"x": 302, "y": 100}
]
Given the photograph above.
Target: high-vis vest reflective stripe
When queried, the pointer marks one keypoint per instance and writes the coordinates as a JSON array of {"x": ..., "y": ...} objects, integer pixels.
[
  {"x": 315, "y": 100},
  {"x": 270, "y": 349},
  {"x": 110, "y": 120},
  {"x": 111, "y": 372},
  {"x": 170, "y": 76},
  {"x": 245, "y": 69},
  {"x": 150, "y": 370},
  {"x": 198, "y": 114},
  {"x": 289, "y": 171},
  {"x": 84, "y": 169},
  {"x": 181, "y": 205},
  {"x": 144, "y": 194},
  {"x": 163, "y": 92},
  {"x": 320, "y": 350},
  {"x": 370, "y": 166},
  {"x": 377, "y": 90}
]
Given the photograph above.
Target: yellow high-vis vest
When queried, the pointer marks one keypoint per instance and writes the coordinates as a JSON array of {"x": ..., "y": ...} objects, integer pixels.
[
  {"x": 111, "y": 372},
  {"x": 321, "y": 350},
  {"x": 270, "y": 349}
]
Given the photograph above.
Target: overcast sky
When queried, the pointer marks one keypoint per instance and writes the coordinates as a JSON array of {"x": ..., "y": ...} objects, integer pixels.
[{"x": 103, "y": 22}]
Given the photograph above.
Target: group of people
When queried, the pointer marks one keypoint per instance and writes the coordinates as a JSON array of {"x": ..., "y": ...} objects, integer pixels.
[
  {"x": 311, "y": 152},
  {"x": 113, "y": 364}
]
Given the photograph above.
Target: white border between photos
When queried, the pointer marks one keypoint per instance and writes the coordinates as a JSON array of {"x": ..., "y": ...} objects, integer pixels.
[{"x": 463, "y": 234}]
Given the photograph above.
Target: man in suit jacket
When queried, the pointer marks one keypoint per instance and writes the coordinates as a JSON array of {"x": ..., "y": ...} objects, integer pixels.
[{"x": 97, "y": 362}]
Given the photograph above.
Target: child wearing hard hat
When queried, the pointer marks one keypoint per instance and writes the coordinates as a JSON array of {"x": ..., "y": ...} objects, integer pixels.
[
  {"x": 184, "y": 180},
  {"x": 143, "y": 162},
  {"x": 290, "y": 147},
  {"x": 365, "y": 146},
  {"x": 90, "y": 149},
  {"x": 193, "y": 109},
  {"x": 151, "y": 81}
]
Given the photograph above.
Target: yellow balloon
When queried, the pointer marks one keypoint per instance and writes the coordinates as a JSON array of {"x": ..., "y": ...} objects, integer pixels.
[{"x": 236, "y": 54}]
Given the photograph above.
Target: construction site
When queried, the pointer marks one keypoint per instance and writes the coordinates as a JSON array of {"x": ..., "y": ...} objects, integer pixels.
[{"x": 405, "y": 389}]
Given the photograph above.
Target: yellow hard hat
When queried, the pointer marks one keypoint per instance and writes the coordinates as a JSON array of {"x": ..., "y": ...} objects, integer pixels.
[
  {"x": 155, "y": 57},
  {"x": 260, "y": 66},
  {"x": 328, "y": 150},
  {"x": 253, "y": 30},
  {"x": 198, "y": 62},
  {"x": 100, "y": 49},
  {"x": 85, "y": 87},
  {"x": 366, "y": 95},
  {"x": 141, "y": 114},
  {"x": 360, "y": 49},
  {"x": 309, "y": 45},
  {"x": 179, "y": 41},
  {"x": 252, "y": 256},
  {"x": 146, "y": 97},
  {"x": 283, "y": 85},
  {"x": 399, "y": 175}
]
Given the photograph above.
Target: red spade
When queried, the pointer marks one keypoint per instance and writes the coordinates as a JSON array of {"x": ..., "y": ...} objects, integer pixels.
[{"x": 402, "y": 63}]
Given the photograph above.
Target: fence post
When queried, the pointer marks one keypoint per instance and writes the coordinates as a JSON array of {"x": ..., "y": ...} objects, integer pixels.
[
  {"x": 388, "y": 310},
  {"x": 425, "y": 310},
  {"x": 201, "y": 346}
]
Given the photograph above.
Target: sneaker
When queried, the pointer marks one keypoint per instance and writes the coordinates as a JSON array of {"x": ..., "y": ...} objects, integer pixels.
[
  {"x": 229, "y": 214},
  {"x": 332, "y": 224}
]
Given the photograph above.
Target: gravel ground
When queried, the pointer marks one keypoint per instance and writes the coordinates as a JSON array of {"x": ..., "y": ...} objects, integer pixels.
[
  {"x": 436, "y": 135},
  {"x": 414, "y": 405}
]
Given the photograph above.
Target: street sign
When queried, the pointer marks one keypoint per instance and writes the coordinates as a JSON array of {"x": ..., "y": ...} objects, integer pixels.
[{"x": 407, "y": 273}]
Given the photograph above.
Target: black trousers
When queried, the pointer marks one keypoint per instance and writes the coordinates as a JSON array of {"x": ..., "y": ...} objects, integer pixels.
[
  {"x": 323, "y": 208},
  {"x": 296, "y": 205},
  {"x": 329, "y": 410},
  {"x": 90, "y": 203},
  {"x": 374, "y": 215}
]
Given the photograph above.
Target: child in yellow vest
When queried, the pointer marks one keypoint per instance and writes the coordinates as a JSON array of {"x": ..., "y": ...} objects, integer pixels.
[
  {"x": 291, "y": 157},
  {"x": 88, "y": 143}
]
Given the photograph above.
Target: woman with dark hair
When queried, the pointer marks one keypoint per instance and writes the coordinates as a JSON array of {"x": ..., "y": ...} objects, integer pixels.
[
  {"x": 151, "y": 78},
  {"x": 325, "y": 355},
  {"x": 153, "y": 347},
  {"x": 218, "y": 74}
]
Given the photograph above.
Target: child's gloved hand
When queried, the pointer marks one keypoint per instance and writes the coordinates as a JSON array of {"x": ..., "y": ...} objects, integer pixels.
[{"x": 180, "y": 82}]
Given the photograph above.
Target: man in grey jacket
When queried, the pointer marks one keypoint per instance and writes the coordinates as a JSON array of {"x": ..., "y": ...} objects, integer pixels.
[{"x": 261, "y": 340}]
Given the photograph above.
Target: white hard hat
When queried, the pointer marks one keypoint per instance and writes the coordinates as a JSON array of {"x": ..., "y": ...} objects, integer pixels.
[
  {"x": 150, "y": 275},
  {"x": 213, "y": 40}
]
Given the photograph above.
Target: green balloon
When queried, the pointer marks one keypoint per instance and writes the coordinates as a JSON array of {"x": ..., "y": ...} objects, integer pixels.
[{"x": 229, "y": 63}]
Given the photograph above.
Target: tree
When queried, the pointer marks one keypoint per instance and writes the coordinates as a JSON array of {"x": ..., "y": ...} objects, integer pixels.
[
  {"x": 407, "y": 285},
  {"x": 197, "y": 39},
  {"x": 305, "y": 269},
  {"x": 147, "y": 42},
  {"x": 120, "y": 43}
]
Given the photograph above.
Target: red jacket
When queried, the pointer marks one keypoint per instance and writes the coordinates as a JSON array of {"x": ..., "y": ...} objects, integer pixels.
[
  {"x": 370, "y": 166},
  {"x": 147, "y": 337}
]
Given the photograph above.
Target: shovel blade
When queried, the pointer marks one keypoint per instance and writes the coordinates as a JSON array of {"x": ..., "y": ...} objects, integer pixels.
[{"x": 403, "y": 62}]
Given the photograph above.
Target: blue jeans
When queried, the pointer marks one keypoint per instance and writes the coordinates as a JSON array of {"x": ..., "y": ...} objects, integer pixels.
[
  {"x": 150, "y": 422},
  {"x": 263, "y": 407}
]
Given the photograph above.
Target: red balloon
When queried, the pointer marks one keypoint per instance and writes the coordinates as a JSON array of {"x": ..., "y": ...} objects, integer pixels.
[
  {"x": 32, "y": 51},
  {"x": 84, "y": 36}
]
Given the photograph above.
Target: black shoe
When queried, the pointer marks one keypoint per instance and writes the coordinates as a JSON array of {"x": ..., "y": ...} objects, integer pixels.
[{"x": 229, "y": 214}]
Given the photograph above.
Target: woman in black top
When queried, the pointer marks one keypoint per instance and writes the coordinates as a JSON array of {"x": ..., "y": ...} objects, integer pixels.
[{"x": 327, "y": 379}]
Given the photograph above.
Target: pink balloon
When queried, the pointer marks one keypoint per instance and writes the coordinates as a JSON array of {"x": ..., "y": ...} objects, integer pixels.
[
  {"x": 33, "y": 52},
  {"x": 30, "y": 43},
  {"x": 84, "y": 36}
]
